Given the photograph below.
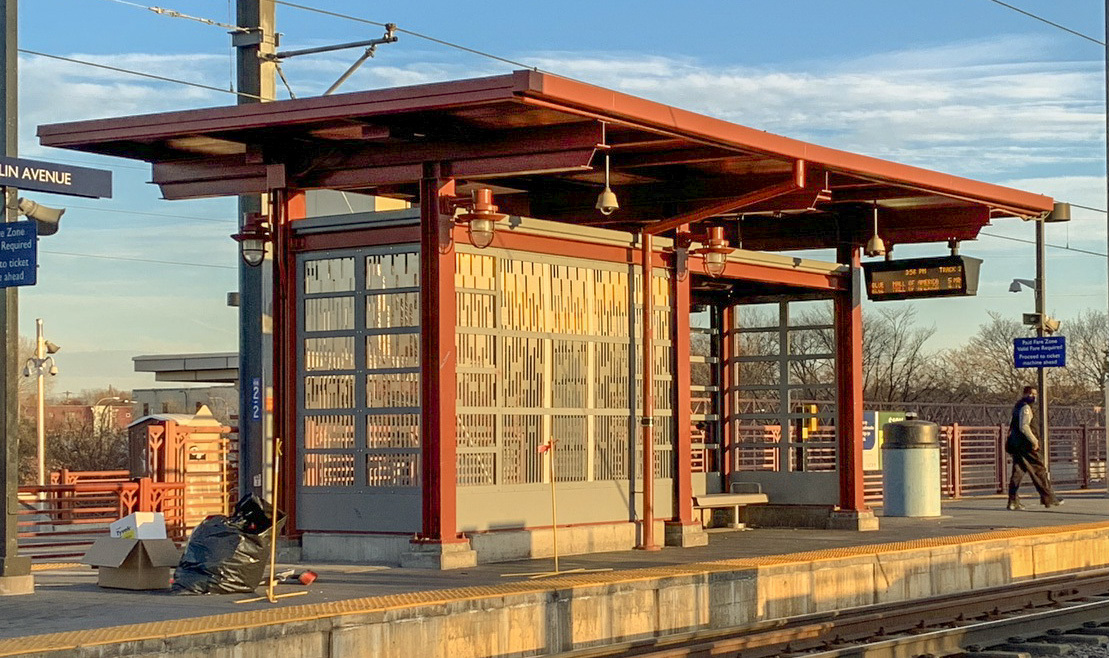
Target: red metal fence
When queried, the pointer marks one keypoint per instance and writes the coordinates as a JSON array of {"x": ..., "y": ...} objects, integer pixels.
[
  {"x": 60, "y": 521},
  {"x": 972, "y": 459}
]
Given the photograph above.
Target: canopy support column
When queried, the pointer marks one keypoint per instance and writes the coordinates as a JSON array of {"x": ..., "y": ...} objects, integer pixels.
[
  {"x": 438, "y": 545},
  {"x": 853, "y": 512},
  {"x": 682, "y": 530}
]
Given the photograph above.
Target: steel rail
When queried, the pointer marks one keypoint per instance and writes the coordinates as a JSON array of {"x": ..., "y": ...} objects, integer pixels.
[{"x": 831, "y": 631}]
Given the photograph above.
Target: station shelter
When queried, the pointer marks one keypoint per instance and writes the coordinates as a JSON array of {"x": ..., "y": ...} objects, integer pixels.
[{"x": 427, "y": 357}]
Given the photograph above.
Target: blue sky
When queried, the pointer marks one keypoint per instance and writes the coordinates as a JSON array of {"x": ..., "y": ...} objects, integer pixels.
[{"x": 963, "y": 86}]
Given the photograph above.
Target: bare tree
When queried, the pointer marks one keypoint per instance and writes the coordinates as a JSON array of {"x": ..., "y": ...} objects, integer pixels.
[
  {"x": 82, "y": 445},
  {"x": 896, "y": 367},
  {"x": 982, "y": 371}
]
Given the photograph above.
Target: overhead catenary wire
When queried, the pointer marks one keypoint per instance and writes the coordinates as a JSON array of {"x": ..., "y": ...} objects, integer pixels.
[
  {"x": 412, "y": 33},
  {"x": 141, "y": 74},
  {"x": 176, "y": 14},
  {"x": 1053, "y": 246},
  {"x": 1051, "y": 23},
  {"x": 157, "y": 261}
]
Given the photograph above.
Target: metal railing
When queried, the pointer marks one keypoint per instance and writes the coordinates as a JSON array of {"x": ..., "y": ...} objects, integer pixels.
[
  {"x": 60, "y": 521},
  {"x": 973, "y": 461}
]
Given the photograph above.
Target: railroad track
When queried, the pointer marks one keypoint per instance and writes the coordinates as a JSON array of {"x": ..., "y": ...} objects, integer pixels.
[{"x": 949, "y": 625}]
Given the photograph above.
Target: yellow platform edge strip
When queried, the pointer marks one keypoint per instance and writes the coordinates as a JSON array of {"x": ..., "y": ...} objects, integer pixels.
[{"x": 70, "y": 640}]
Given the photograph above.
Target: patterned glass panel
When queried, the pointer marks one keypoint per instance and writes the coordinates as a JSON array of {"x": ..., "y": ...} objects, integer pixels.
[
  {"x": 329, "y": 392},
  {"x": 523, "y": 372},
  {"x": 391, "y": 310},
  {"x": 329, "y": 314},
  {"x": 477, "y": 430},
  {"x": 611, "y": 376},
  {"x": 393, "y": 431},
  {"x": 393, "y": 470},
  {"x": 610, "y": 303},
  {"x": 523, "y": 462},
  {"x": 385, "y": 271},
  {"x": 612, "y": 444},
  {"x": 475, "y": 350},
  {"x": 522, "y": 298},
  {"x": 393, "y": 351},
  {"x": 393, "y": 390},
  {"x": 570, "y": 374},
  {"x": 477, "y": 389},
  {"x": 328, "y": 275},
  {"x": 334, "y": 353},
  {"x": 328, "y": 470},
  {"x": 570, "y": 459},
  {"x": 477, "y": 468},
  {"x": 329, "y": 432},
  {"x": 475, "y": 271},
  {"x": 476, "y": 310}
]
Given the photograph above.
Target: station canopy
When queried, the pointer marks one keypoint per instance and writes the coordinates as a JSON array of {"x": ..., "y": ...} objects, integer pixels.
[{"x": 539, "y": 140}]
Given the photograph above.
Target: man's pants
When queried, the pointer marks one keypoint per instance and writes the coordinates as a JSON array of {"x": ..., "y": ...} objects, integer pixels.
[{"x": 1029, "y": 461}]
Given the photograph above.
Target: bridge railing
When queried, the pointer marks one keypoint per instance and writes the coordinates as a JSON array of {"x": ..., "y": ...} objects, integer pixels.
[{"x": 60, "y": 521}]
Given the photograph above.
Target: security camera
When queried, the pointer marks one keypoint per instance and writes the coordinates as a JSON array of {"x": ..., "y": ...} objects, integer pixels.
[
  {"x": 46, "y": 218},
  {"x": 51, "y": 348},
  {"x": 27, "y": 370},
  {"x": 607, "y": 203},
  {"x": 53, "y": 370}
]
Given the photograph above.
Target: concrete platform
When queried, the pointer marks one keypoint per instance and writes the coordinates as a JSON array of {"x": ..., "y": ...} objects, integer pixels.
[{"x": 741, "y": 576}]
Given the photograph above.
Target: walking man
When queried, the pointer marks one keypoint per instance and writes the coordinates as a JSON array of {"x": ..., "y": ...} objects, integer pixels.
[{"x": 1023, "y": 446}]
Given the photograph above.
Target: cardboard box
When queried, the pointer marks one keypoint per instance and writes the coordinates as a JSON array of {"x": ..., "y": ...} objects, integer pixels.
[
  {"x": 125, "y": 563},
  {"x": 140, "y": 525}
]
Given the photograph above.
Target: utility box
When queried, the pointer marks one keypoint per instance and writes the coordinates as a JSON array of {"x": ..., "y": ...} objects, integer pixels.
[
  {"x": 911, "y": 468},
  {"x": 133, "y": 563}
]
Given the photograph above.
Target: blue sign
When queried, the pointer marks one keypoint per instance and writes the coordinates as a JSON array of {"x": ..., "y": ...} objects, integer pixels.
[
  {"x": 870, "y": 430},
  {"x": 1036, "y": 352},
  {"x": 256, "y": 399},
  {"x": 59, "y": 179},
  {"x": 18, "y": 253}
]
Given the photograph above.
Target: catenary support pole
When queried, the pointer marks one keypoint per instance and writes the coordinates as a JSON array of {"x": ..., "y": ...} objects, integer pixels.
[
  {"x": 1105, "y": 383},
  {"x": 15, "y": 571},
  {"x": 254, "y": 76},
  {"x": 1041, "y": 310}
]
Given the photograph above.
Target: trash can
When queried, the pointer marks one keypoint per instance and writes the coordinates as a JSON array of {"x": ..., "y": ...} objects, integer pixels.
[{"x": 911, "y": 468}]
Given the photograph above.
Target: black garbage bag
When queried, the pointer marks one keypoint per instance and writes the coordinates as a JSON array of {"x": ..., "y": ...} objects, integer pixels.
[{"x": 228, "y": 554}]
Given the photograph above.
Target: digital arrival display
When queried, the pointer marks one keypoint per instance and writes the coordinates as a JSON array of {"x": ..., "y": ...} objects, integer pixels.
[{"x": 919, "y": 278}]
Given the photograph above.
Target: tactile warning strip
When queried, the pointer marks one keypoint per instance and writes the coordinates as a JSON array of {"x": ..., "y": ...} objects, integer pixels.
[
  {"x": 315, "y": 611},
  {"x": 50, "y": 566}
]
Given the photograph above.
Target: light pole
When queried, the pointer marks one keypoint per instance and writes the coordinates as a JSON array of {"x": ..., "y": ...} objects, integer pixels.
[
  {"x": 1044, "y": 325},
  {"x": 100, "y": 424},
  {"x": 36, "y": 366}
]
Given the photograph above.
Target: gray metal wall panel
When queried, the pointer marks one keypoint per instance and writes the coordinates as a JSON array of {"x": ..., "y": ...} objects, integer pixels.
[{"x": 529, "y": 506}]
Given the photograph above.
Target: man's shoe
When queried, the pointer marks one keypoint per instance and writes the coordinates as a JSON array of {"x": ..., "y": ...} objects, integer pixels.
[
  {"x": 1014, "y": 505},
  {"x": 1054, "y": 502}
]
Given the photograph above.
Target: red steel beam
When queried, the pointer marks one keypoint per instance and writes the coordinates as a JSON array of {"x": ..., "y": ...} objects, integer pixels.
[
  {"x": 734, "y": 204},
  {"x": 438, "y": 390},
  {"x": 848, "y": 314}
]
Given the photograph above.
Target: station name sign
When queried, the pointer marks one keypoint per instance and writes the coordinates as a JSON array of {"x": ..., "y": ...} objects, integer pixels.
[
  {"x": 55, "y": 178},
  {"x": 919, "y": 278}
]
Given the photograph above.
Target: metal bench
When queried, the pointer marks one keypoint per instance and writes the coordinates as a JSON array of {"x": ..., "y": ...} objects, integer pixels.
[{"x": 742, "y": 494}]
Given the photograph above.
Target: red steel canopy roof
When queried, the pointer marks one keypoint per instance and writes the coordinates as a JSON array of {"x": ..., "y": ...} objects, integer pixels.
[{"x": 533, "y": 137}]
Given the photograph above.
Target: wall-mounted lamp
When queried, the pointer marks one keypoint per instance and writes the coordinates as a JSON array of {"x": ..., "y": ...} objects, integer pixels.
[
  {"x": 875, "y": 246},
  {"x": 606, "y": 200},
  {"x": 481, "y": 220},
  {"x": 715, "y": 251},
  {"x": 253, "y": 238}
]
